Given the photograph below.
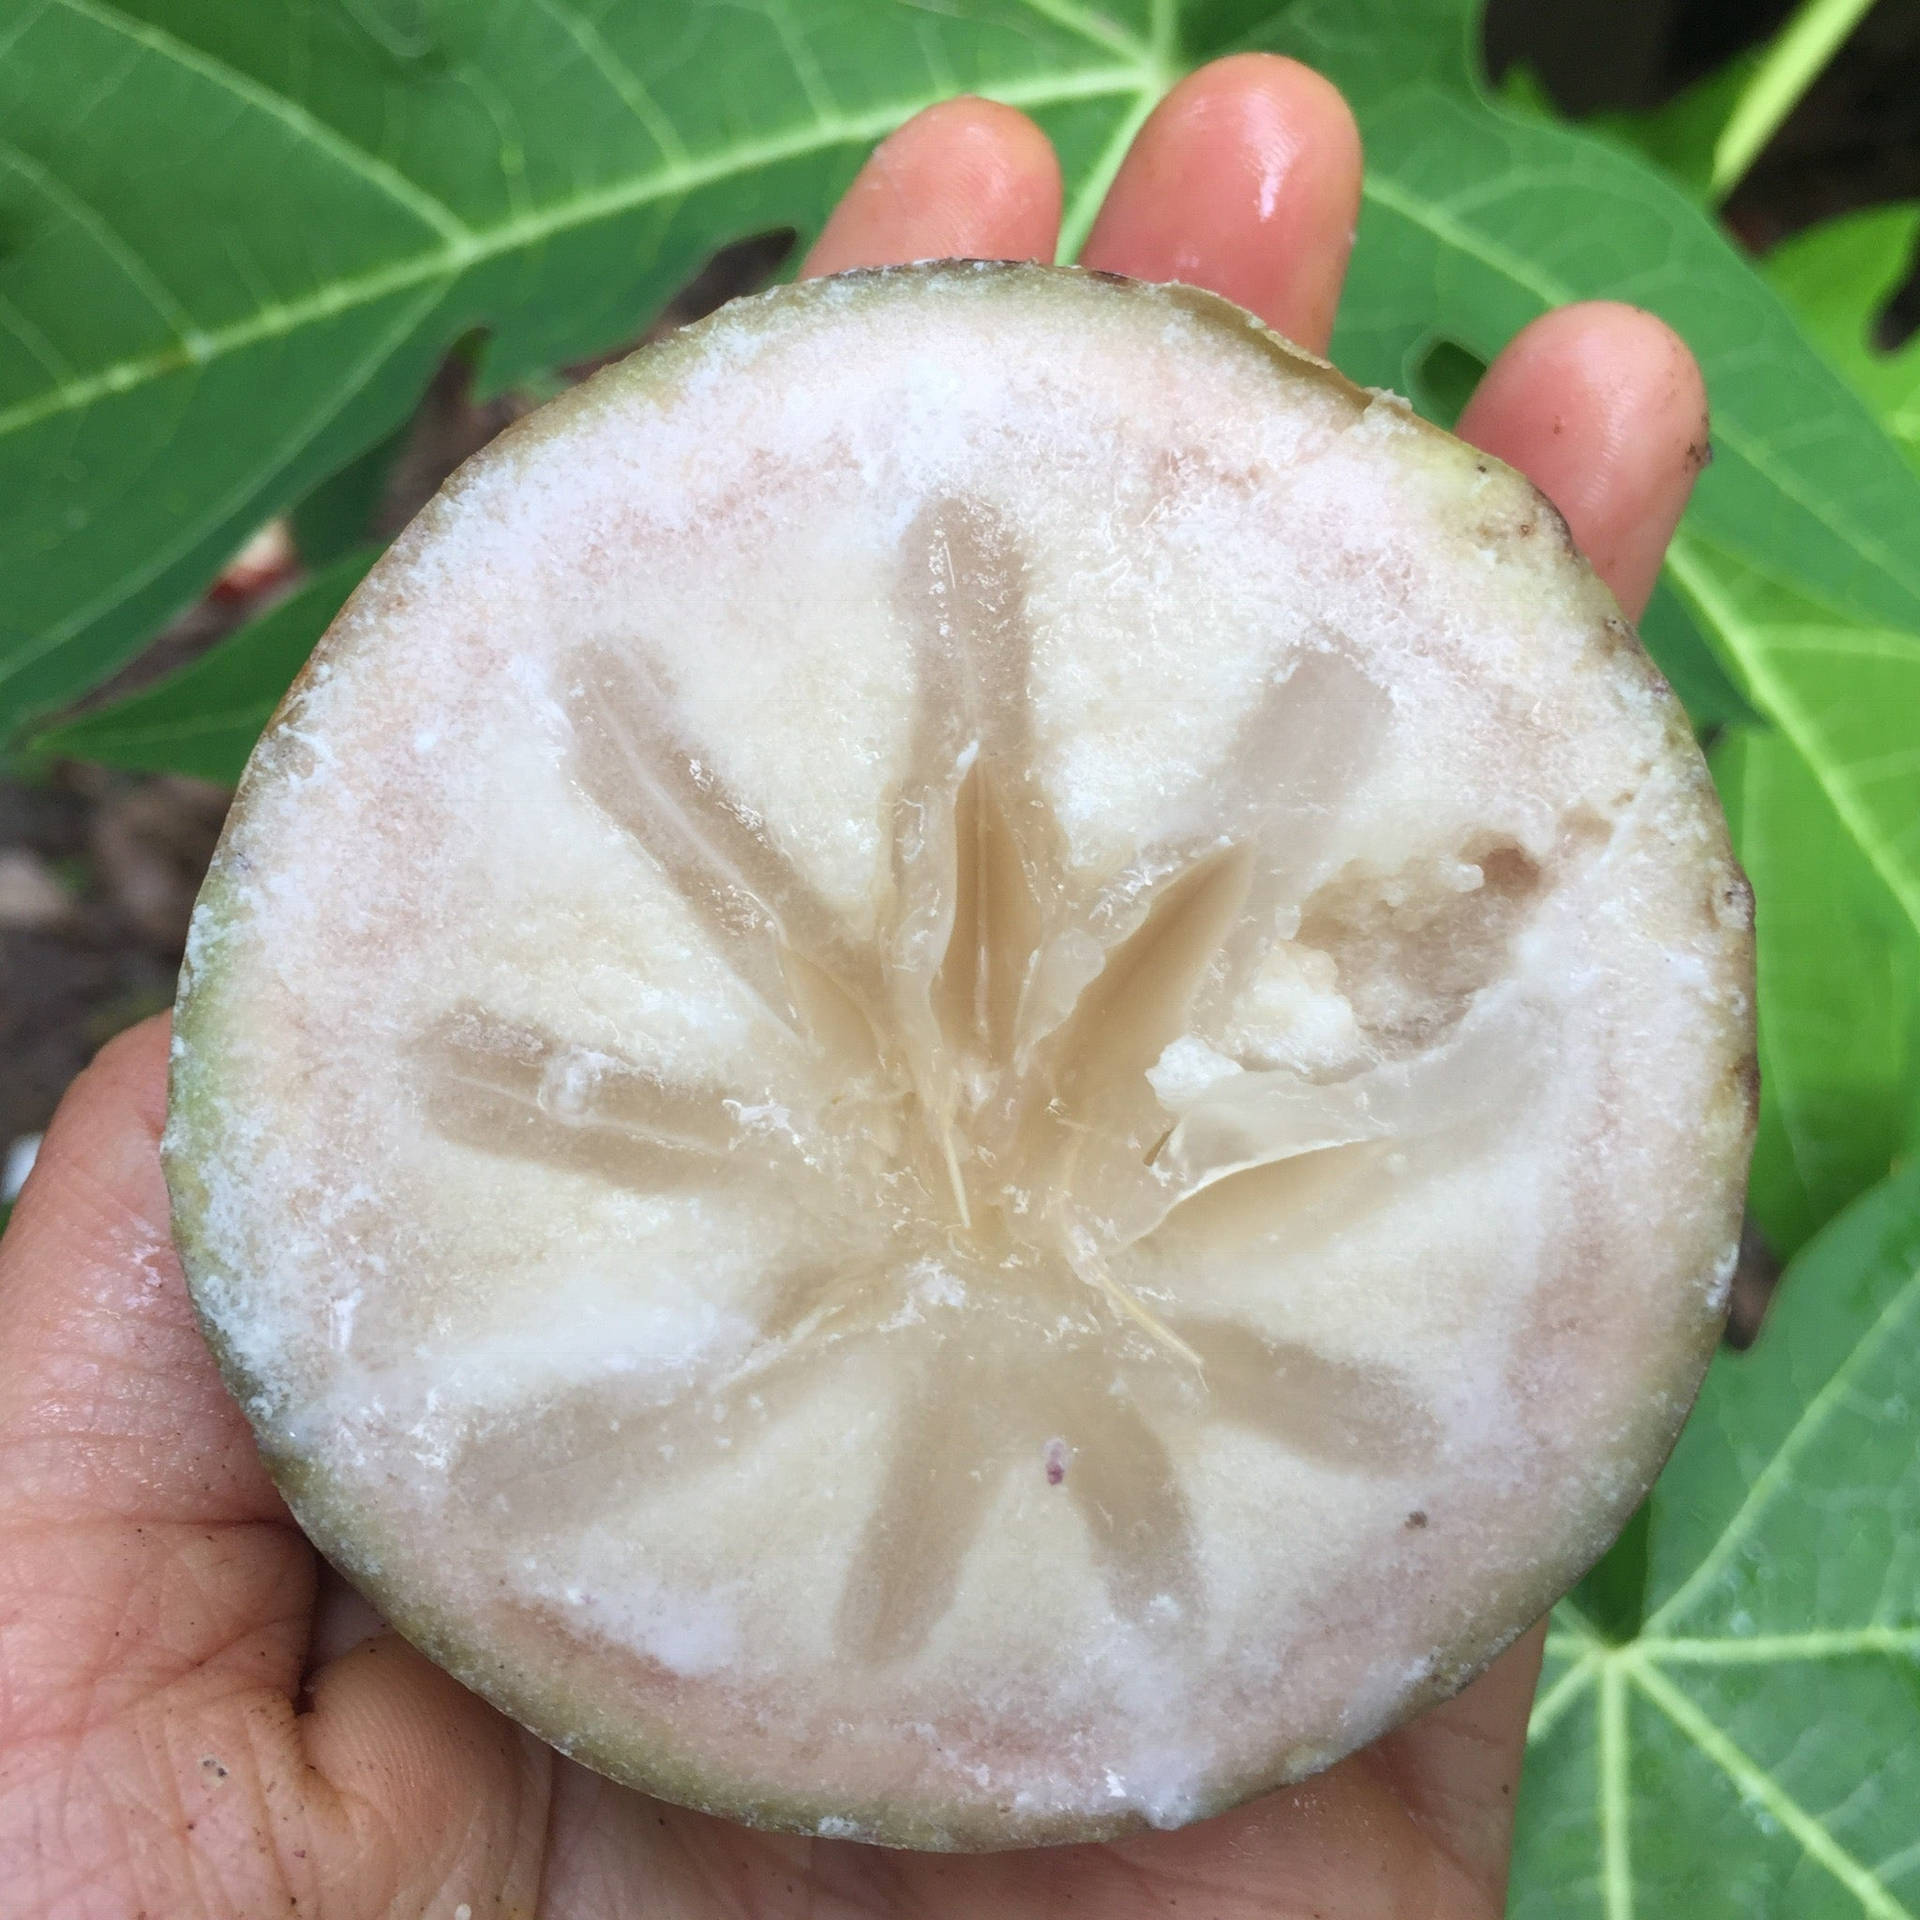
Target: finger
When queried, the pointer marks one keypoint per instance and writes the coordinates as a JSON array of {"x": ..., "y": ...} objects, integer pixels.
[
  {"x": 139, "y": 1535},
  {"x": 966, "y": 180},
  {"x": 1602, "y": 407},
  {"x": 1456, "y": 1768},
  {"x": 1244, "y": 180},
  {"x": 144, "y": 1555},
  {"x": 110, "y": 1407}
]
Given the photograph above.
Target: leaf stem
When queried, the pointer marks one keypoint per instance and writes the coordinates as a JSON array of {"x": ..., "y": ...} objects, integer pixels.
[{"x": 1795, "y": 60}]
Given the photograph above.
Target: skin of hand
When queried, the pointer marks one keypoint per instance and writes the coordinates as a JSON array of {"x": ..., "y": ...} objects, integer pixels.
[{"x": 198, "y": 1720}]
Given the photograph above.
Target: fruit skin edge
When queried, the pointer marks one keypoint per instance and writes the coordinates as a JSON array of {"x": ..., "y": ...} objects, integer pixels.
[{"x": 650, "y": 1758}]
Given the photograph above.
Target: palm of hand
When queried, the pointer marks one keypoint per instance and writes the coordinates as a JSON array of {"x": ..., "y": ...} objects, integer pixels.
[{"x": 193, "y": 1719}]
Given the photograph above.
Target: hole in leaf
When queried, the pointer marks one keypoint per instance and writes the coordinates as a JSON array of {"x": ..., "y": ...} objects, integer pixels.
[{"x": 1444, "y": 378}]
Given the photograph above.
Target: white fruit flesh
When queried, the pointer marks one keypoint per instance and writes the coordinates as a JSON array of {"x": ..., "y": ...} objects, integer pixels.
[{"x": 975, "y": 1066}]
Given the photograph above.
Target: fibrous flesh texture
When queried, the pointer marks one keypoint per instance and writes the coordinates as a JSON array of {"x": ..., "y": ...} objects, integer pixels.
[{"x": 974, "y": 1066}]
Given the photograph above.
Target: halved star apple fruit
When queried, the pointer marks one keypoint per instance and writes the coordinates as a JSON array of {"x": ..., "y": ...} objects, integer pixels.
[{"x": 974, "y": 1067}]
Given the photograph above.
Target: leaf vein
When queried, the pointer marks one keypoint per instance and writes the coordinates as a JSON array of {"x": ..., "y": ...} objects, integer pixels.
[
  {"x": 1783, "y": 702},
  {"x": 1616, "y": 1810},
  {"x": 1840, "y": 1643},
  {"x": 1552, "y": 1706},
  {"x": 619, "y": 77},
  {"x": 397, "y": 186},
  {"x": 443, "y": 266},
  {"x": 1760, "y": 1787},
  {"x": 108, "y": 238},
  {"x": 1776, "y": 1473}
]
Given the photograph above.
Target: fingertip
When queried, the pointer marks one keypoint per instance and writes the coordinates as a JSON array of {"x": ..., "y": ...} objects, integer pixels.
[
  {"x": 100, "y": 1148},
  {"x": 1244, "y": 180},
  {"x": 131, "y": 1071},
  {"x": 967, "y": 179},
  {"x": 1603, "y": 407}
]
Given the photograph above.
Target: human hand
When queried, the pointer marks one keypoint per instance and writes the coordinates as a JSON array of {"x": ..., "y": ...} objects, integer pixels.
[{"x": 196, "y": 1719}]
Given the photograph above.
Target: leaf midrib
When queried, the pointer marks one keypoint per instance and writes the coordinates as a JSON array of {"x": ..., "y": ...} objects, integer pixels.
[
  {"x": 1779, "y": 697},
  {"x": 1775, "y": 1474},
  {"x": 445, "y": 264},
  {"x": 1611, "y": 1670},
  {"x": 1814, "y": 1838}
]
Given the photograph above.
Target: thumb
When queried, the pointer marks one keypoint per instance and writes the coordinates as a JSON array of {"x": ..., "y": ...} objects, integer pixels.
[{"x": 156, "y": 1602}]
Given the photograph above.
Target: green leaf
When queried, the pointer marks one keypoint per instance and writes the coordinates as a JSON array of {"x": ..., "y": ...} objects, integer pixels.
[
  {"x": 1707, "y": 137},
  {"x": 1838, "y": 278},
  {"x": 1839, "y": 968},
  {"x": 204, "y": 719},
  {"x": 1800, "y": 558},
  {"x": 1793, "y": 60},
  {"x": 1753, "y": 1752},
  {"x": 1845, "y": 692},
  {"x": 1682, "y": 652},
  {"x": 236, "y": 269},
  {"x": 1681, "y": 137},
  {"x": 1476, "y": 221},
  {"x": 338, "y": 515}
]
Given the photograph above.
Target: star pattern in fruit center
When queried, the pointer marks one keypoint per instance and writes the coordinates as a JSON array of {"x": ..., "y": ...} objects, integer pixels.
[{"x": 975, "y": 1131}]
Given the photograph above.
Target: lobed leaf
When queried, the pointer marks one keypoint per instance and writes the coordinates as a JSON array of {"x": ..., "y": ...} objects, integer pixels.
[
  {"x": 1754, "y": 1749},
  {"x": 1845, "y": 691},
  {"x": 1838, "y": 278},
  {"x": 236, "y": 269},
  {"x": 1839, "y": 967}
]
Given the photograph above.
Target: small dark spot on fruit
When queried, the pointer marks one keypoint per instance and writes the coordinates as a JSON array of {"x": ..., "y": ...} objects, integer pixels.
[
  {"x": 1699, "y": 454},
  {"x": 1056, "y": 1462},
  {"x": 1525, "y": 529},
  {"x": 213, "y": 1766},
  {"x": 1480, "y": 466},
  {"x": 1417, "y": 1518},
  {"x": 1730, "y": 903}
]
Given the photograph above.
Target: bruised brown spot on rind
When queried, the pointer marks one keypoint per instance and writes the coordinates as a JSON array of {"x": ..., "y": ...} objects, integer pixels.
[{"x": 1730, "y": 902}]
